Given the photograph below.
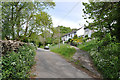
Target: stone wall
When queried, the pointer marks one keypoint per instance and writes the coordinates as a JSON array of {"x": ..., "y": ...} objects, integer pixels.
[{"x": 10, "y": 45}]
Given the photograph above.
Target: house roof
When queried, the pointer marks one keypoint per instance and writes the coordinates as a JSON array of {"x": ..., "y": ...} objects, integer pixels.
[{"x": 72, "y": 32}]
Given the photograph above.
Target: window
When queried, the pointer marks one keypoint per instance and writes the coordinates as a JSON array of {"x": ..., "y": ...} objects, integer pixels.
[
  {"x": 74, "y": 33},
  {"x": 69, "y": 35}
]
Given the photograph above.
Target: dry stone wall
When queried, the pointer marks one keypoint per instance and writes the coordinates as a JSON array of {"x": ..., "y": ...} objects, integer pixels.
[{"x": 10, "y": 45}]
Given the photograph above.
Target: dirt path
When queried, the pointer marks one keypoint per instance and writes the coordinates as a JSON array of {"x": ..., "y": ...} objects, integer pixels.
[
  {"x": 84, "y": 60},
  {"x": 51, "y": 65}
]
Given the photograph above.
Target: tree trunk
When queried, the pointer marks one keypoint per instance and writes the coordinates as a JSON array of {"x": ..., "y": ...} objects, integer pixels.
[
  {"x": 13, "y": 34},
  {"x": 26, "y": 30},
  {"x": 18, "y": 30}
]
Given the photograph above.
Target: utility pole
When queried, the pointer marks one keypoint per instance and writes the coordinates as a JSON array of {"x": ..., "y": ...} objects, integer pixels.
[{"x": 59, "y": 36}]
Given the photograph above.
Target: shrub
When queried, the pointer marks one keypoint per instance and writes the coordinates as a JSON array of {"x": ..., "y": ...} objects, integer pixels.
[
  {"x": 107, "y": 60},
  {"x": 18, "y": 64},
  {"x": 88, "y": 46},
  {"x": 105, "y": 54},
  {"x": 0, "y": 69},
  {"x": 74, "y": 43}
]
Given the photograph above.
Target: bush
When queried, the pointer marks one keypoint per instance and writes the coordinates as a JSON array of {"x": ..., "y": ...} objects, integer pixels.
[
  {"x": 18, "y": 64},
  {"x": 74, "y": 43},
  {"x": 105, "y": 54},
  {"x": 107, "y": 60},
  {"x": 88, "y": 46},
  {"x": 0, "y": 68},
  {"x": 65, "y": 50}
]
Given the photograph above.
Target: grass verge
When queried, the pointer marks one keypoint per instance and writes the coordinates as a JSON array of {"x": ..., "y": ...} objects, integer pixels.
[
  {"x": 65, "y": 50},
  {"x": 87, "y": 46},
  {"x": 105, "y": 56}
]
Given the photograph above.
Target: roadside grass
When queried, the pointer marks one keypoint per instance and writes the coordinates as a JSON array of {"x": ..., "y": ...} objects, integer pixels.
[
  {"x": 105, "y": 56},
  {"x": 65, "y": 50},
  {"x": 87, "y": 46},
  {"x": 41, "y": 47}
]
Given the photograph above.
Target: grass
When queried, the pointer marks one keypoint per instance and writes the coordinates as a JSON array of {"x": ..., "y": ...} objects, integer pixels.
[
  {"x": 42, "y": 47},
  {"x": 106, "y": 59},
  {"x": 87, "y": 46},
  {"x": 65, "y": 50}
]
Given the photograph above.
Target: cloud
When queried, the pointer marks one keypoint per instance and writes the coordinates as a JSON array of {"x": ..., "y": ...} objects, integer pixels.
[{"x": 66, "y": 23}]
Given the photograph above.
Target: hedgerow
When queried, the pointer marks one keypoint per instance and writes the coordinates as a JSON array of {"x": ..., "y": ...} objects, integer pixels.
[
  {"x": 105, "y": 54},
  {"x": 18, "y": 64},
  {"x": 107, "y": 60}
]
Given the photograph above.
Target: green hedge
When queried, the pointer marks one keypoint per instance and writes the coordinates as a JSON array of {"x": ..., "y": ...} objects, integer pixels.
[
  {"x": 88, "y": 46},
  {"x": 107, "y": 60},
  {"x": 17, "y": 65},
  {"x": 106, "y": 56}
]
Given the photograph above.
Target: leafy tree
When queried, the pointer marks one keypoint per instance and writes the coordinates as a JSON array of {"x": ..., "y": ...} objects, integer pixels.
[
  {"x": 64, "y": 30},
  {"x": 46, "y": 37},
  {"x": 55, "y": 35},
  {"x": 105, "y": 16},
  {"x": 24, "y": 18},
  {"x": 106, "y": 23}
]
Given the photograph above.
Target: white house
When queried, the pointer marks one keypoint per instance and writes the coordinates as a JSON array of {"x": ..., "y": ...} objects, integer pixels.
[
  {"x": 77, "y": 32},
  {"x": 70, "y": 35},
  {"x": 88, "y": 32}
]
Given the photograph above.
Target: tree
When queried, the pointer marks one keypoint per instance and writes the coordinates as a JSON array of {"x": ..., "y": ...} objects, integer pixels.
[
  {"x": 46, "y": 37},
  {"x": 23, "y": 18},
  {"x": 106, "y": 23},
  {"x": 55, "y": 35},
  {"x": 105, "y": 16},
  {"x": 64, "y": 30}
]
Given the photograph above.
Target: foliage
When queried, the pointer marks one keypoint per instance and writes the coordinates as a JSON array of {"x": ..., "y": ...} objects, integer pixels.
[
  {"x": 64, "y": 30},
  {"x": 107, "y": 60},
  {"x": 17, "y": 65},
  {"x": 46, "y": 37},
  {"x": 22, "y": 19},
  {"x": 105, "y": 54},
  {"x": 0, "y": 68},
  {"x": 55, "y": 35},
  {"x": 106, "y": 24},
  {"x": 75, "y": 37},
  {"x": 65, "y": 50},
  {"x": 105, "y": 16},
  {"x": 76, "y": 40},
  {"x": 88, "y": 46}
]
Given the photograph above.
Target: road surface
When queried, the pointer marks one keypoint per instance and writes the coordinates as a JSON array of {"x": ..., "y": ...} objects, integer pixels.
[{"x": 51, "y": 65}]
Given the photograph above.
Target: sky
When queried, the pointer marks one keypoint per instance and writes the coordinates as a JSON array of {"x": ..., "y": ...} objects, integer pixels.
[{"x": 68, "y": 13}]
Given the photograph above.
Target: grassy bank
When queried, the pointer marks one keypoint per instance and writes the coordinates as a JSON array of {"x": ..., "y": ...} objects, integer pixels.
[
  {"x": 105, "y": 56},
  {"x": 87, "y": 46},
  {"x": 65, "y": 50}
]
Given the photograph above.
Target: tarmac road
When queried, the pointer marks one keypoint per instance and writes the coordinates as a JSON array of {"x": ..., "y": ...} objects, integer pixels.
[{"x": 51, "y": 65}]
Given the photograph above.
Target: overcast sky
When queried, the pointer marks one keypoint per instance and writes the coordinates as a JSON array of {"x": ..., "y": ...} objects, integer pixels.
[{"x": 68, "y": 13}]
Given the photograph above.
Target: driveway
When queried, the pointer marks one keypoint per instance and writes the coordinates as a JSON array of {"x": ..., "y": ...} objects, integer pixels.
[{"x": 51, "y": 65}]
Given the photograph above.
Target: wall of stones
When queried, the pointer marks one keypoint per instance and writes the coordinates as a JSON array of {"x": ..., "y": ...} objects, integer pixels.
[{"x": 10, "y": 45}]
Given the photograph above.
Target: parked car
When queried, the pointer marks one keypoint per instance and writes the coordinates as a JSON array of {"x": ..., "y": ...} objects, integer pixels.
[{"x": 46, "y": 47}]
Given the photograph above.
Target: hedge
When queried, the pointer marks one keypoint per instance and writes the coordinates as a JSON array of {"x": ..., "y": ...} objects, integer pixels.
[{"x": 18, "y": 64}]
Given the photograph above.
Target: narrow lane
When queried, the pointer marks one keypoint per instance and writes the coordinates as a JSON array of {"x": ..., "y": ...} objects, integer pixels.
[{"x": 51, "y": 65}]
